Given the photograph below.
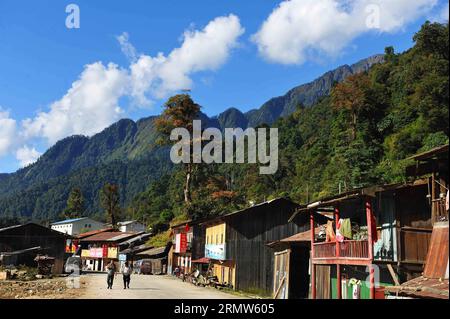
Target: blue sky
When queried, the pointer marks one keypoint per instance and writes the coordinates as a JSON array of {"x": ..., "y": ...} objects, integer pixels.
[{"x": 40, "y": 58}]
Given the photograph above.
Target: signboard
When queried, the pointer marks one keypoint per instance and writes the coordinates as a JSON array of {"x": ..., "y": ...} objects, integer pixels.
[
  {"x": 92, "y": 253},
  {"x": 216, "y": 252},
  {"x": 122, "y": 257},
  {"x": 112, "y": 253},
  {"x": 181, "y": 243}
]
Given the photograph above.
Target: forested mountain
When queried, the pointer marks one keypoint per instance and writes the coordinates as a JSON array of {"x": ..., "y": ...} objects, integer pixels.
[
  {"x": 306, "y": 94},
  {"x": 325, "y": 141}
]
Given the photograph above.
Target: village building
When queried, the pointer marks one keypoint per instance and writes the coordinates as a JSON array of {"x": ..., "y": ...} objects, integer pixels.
[
  {"x": 99, "y": 249},
  {"x": 236, "y": 243},
  {"x": 292, "y": 265},
  {"x": 77, "y": 226},
  {"x": 434, "y": 282},
  {"x": 21, "y": 244},
  {"x": 131, "y": 226},
  {"x": 380, "y": 235},
  {"x": 187, "y": 246}
]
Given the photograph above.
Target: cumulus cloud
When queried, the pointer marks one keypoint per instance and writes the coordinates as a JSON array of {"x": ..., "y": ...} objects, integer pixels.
[
  {"x": 90, "y": 105},
  {"x": 27, "y": 155},
  {"x": 7, "y": 132},
  {"x": 204, "y": 50},
  {"x": 300, "y": 29}
]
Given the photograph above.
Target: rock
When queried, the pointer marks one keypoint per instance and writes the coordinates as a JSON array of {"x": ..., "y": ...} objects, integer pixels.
[{"x": 39, "y": 276}]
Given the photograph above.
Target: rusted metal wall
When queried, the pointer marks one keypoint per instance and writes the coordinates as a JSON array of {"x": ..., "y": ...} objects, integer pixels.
[{"x": 437, "y": 260}]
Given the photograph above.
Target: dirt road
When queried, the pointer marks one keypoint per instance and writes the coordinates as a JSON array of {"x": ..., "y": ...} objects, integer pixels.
[{"x": 147, "y": 287}]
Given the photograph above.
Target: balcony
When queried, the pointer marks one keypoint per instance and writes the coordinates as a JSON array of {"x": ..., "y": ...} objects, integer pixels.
[{"x": 350, "y": 252}]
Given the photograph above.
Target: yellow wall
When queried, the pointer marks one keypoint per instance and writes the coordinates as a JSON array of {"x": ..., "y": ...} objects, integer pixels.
[
  {"x": 215, "y": 235},
  {"x": 225, "y": 274}
]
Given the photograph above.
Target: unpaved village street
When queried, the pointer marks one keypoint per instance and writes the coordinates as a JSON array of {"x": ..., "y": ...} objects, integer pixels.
[{"x": 147, "y": 287}]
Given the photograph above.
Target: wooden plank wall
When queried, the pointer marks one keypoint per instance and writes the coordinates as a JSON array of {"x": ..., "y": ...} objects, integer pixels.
[{"x": 247, "y": 236}]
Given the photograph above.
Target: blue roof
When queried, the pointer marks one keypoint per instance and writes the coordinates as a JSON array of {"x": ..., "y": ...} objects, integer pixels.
[{"x": 68, "y": 221}]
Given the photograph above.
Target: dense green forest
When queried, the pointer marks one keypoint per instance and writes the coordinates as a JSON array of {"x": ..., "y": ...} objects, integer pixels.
[
  {"x": 374, "y": 115},
  {"x": 361, "y": 134}
]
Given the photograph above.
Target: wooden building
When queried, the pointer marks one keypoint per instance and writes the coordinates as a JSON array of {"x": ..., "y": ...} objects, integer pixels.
[
  {"x": 20, "y": 244},
  {"x": 188, "y": 242},
  {"x": 236, "y": 243},
  {"x": 390, "y": 232},
  {"x": 433, "y": 165},
  {"x": 291, "y": 266},
  {"x": 434, "y": 283},
  {"x": 100, "y": 248}
]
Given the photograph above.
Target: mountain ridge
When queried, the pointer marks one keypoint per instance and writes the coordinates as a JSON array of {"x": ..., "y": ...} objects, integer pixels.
[{"x": 127, "y": 143}]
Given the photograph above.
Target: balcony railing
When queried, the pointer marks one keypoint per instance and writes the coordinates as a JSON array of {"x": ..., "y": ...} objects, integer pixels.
[
  {"x": 354, "y": 249},
  {"x": 325, "y": 250},
  {"x": 347, "y": 249}
]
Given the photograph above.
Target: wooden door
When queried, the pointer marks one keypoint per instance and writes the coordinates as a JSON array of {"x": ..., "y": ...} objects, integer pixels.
[{"x": 281, "y": 275}]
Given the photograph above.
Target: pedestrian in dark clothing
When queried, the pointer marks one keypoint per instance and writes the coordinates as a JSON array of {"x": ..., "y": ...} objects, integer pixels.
[
  {"x": 126, "y": 273},
  {"x": 111, "y": 270}
]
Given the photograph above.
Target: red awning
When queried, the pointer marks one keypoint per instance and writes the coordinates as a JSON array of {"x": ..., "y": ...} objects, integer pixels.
[{"x": 201, "y": 261}]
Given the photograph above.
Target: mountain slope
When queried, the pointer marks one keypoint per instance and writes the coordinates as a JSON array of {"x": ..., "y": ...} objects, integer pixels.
[
  {"x": 306, "y": 94},
  {"x": 126, "y": 153}
]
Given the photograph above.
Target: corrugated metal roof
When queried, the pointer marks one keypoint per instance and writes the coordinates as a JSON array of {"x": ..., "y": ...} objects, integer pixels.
[
  {"x": 301, "y": 237},
  {"x": 109, "y": 236},
  {"x": 436, "y": 265},
  {"x": 154, "y": 251},
  {"x": 431, "y": 153},
  {"x": 56, "y": 233},
  {"x": 68, "y": 221},
  {"x": 422, "y": 287},
  {"x": 94, "y": 232}
]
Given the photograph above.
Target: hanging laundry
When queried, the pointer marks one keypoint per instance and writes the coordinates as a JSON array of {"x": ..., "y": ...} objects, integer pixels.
[
  {"x": 345, "y": 228},
  {"x": 330, "y": 232}
]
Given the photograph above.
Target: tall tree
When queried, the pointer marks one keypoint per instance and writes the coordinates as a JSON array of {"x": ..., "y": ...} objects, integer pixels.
[
  {"x": 110, "y": 202},
  {"x": 350, "y": 95},
  {"x": 180, "y": 112},
  {"x": 75, "y": 204}
]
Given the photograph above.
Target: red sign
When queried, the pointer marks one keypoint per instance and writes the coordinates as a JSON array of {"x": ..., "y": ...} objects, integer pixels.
[
  {"x": 105, "y": 251},
  {"x": 183, "y": 243}
]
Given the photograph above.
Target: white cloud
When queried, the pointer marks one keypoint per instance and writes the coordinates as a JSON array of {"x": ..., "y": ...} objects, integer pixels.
[
  {"x": 90, "y": 105},
  {"x": 7, "y": 132},
  {"x": 92, "y": 102},
  {"x": 204, "y": 50},
  {"x": 127, "y": 48},
  {"x": 300, "y": 29},
  {"x": 27, "y": 156}
]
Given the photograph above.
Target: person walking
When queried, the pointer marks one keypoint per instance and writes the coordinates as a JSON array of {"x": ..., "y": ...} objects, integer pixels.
[
  {"x": 111, "y": 270},
  {"x": 126, "y": 273}
]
